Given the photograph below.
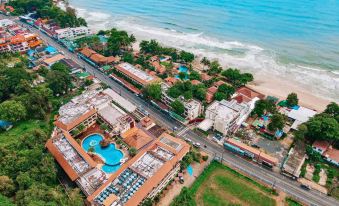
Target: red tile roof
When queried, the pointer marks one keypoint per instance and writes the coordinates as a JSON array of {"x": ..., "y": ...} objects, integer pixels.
[
  {"x": 332, "y": 154},
  {"x": 323, "y": 145}
]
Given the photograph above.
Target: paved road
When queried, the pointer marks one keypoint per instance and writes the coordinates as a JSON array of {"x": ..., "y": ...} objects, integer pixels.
[{"x": 280, "y": 182}]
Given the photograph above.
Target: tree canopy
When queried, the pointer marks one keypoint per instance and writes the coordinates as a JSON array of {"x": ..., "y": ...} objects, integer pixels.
[
  {"x": 178, "y": 107},
  {"x": 333, "y": 110},
  {"x": 153, "y": 91},
  {"x": 186, "y": 56},
  {"x": 236, "y": 78},
  {"x": 263, "y": 106},
  {"x": 292, "y": 99},
  {"x": 277, "y": 122},
  {"x": 119, "y": 40},
  {"x": 12, "y": 111},
  {"x": 322, "y": 127}
]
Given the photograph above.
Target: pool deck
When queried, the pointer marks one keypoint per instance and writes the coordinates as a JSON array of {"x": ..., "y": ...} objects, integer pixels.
[{"x": 95, "y": 129}]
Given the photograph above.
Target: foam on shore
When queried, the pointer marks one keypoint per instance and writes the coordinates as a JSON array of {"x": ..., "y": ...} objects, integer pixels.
[{"x": 259, "y": 61}]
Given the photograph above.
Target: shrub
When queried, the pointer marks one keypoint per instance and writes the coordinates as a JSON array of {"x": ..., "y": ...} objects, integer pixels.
[
  {"x": 132, "y": 151},
  {"x": 205, "y": 157},
  {"x": 104, "y": 143}
]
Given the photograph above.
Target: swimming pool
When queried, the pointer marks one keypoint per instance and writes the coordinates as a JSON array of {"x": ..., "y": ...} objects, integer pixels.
[
  {"x": 110, "y": 154},
  {"x": 183, "y": 69},
  {"x": 190, "y": 170}
]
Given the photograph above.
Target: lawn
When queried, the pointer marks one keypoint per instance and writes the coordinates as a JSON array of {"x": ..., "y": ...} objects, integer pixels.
[
  {"x": 220, "y": 185},
  {"x": 21, "y": 128}
]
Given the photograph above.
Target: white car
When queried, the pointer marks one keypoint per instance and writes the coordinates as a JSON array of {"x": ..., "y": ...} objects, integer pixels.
[
  {"x": 188, "y": 140},
  {"x": 197, "y": 144}
]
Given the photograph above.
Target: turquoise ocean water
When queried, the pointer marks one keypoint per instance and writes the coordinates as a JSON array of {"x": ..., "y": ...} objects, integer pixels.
[{"x": 297, "y": 40}]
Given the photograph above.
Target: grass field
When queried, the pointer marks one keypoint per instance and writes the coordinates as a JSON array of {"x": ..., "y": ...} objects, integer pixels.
[{"x": 219, "y": 185}]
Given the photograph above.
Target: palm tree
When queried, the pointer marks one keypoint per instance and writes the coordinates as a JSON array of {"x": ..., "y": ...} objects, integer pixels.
[{"x": 205, "y": 61}]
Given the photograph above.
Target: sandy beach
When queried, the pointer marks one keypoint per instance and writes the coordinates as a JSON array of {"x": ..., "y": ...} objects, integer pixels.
[{"x": 273, "y": 86}]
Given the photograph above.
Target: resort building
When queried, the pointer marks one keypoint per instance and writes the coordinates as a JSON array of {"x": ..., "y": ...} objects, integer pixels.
[
  {"x": 245, "y": 94},
  {"x": 71, "y": 33},
  {"x": 88, "y": 107},
  {"x": 299, "y": 115},
  {"x": 134, "y": 74},
  {"x": 19, "y": 43},
  {"x": 95, "y": 58},
  {"x": 250, "y": 152},
  {"x": 226, "y": 116},
  {"x": 136, "y": 138},
  {"x": 193, "y": 108},
  {"x": 144, "y": 176},
  {"x": 329, "y": 153},
  {"x": 52, "y": 60},
  {"x": 76, "y": 163},
  {"x": 320, "y": 146}
]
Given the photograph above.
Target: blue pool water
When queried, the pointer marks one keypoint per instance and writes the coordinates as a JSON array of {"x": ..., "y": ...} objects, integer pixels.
[
  {"x": 184, "y": 70},
  {"x": 110, "y": 154},
  {"x": 190, "y": 170},
  {"x": 295, "y": 40}
]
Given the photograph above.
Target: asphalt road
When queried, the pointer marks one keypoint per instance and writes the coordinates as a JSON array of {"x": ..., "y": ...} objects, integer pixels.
[{"x": 281, "y": 182}]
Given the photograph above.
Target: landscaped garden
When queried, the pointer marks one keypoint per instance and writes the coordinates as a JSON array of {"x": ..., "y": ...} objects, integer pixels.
[{"x": 220, "y": 185}]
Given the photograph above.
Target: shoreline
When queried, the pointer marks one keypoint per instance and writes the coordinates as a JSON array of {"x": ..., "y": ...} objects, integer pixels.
[{"x": 263, "y": 83}]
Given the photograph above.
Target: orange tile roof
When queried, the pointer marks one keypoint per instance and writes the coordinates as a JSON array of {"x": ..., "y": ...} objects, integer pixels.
[
  {"x": 153, "y": 181},
  {"x": 71, "y": 125},
  {"x": 54, "y": 59},
  {"x": 249, "y": 93},
  {"x": 136, "y": 138},
  {"x": 218, "y": 83},
  {"x": 96, "y": 57},
  {"x": 212, "y": 90},
  {"x": 195, "y": 82},
  {"x": 332, "y": 154},
  {"x": 205, "y": 77},
  {"x": 171, "y": 80},
  {"x": 72, "y": 174},
  {"x": 321, "y": 144}
]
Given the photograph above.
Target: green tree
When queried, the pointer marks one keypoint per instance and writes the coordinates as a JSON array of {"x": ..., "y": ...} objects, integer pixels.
[
  {"x": 177, "y": 107},
  {"x": 174, "y": 91},
  {"x": 12, "y": 111},
  {"x": 263, "y": 106},
  {"x": 299, "y": 135},
  {"x": 153, "y": 91},
  {"x": 277, "y": 122},
  {"x": 292, "y": 99},
  {"x": 236, "y": 78},
  {"x": 4, "y": 201},
  {"x": 60, "y": 67},
  {"x": 182, "y": 75},
  {"x": 128, "y": 57},
  {"x": 59, "y": 82},
  {"x": 322, "y": 127},
  {"x": 151, "y": 47},
  {"x": 220, "y": 96},
  {"x": 119, "y": 40},
  {"x": 199, "y": 92},
  {"x": 186, "y": 56},
  {"x": 205, "y": 61},
  {"x": 132, "y": 151},
  {"x": 215, "y": 68},
  {"x": 227, "y": 90},
  {"x": 333, "y": 110},
  {"x": 188, "y": 95},
  {"x": 194, "y": 75}
]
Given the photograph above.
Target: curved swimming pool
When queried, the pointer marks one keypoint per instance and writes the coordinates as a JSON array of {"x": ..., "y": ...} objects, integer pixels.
[{"x": 110, "y": 155}]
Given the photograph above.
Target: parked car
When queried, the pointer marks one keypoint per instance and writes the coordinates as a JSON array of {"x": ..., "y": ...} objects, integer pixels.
[
  {"x": 188, "y": 140},
  {"x": 196, "y": 144},
  {"x": 305, "y": 187}
]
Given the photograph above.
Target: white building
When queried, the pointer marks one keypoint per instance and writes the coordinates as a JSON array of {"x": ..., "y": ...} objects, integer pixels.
[
  {"x": 193, "y": 108},
  {"x": 71, "y": 33},
  {"x": 6, "y": 22},
  {"x": 300, "y": 115},
  {"x": 226, "y": 116}
]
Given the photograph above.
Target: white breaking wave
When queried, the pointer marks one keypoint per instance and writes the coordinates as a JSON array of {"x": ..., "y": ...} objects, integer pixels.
[{"x": 247, "y": 57}]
